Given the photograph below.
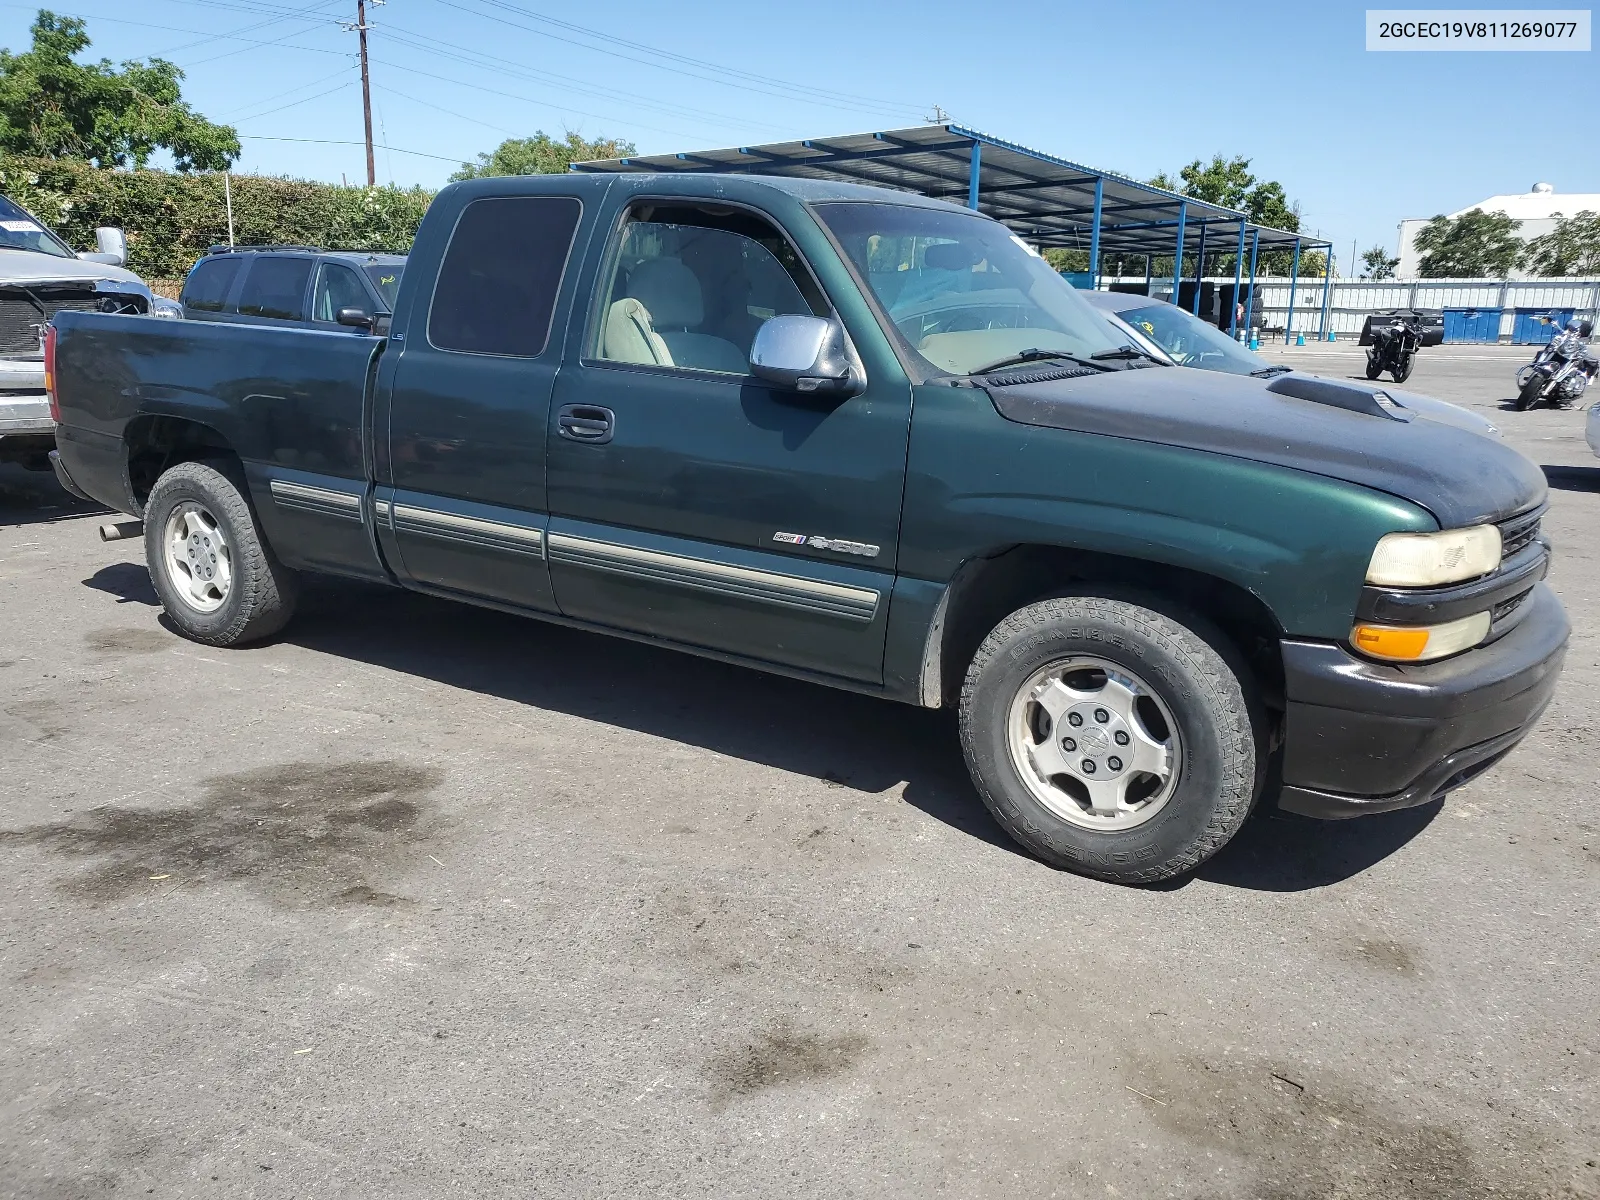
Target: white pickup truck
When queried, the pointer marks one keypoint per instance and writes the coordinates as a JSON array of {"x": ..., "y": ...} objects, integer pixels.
[{"x": 39, "y": 277}]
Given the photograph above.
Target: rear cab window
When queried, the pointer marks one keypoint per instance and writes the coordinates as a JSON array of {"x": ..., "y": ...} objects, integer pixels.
[
  {"x": 497, "y": 286},
  {"x": 206, "y": 289},
  {"x": 275, "y": 288}
]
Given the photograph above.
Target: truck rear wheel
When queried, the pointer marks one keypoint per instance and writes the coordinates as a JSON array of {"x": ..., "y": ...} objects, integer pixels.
[
  {"x": 1110, "y": 739},
  {"x": 218, "y": 580}
]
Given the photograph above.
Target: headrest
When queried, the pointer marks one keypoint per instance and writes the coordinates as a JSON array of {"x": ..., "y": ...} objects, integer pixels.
[{"x": 670, "y": 291}]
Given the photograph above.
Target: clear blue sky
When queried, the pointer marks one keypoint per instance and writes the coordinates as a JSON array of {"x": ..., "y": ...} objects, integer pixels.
[{"x": 1360, "y": 140}]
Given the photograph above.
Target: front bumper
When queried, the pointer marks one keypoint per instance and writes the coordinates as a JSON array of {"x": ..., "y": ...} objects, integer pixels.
[{"x": 1362, "y": 737}]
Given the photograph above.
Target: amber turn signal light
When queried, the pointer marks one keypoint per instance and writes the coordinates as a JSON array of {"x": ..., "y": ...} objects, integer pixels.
[{"x": 1419, "y": 643}]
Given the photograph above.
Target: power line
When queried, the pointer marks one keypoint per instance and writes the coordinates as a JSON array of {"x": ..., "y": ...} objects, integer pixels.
[
  {"x": 478, "y": 87},
  {"x": 296, "y": 103},
  {"x": 477, "y": 58},
  {"x": 389, "y": 91},
  {"x": 261, "y": 137},
  {"x": 216, "y": 37},
  {"x": 234, "y": 112},
  {"x": 171, "y": 29},
  {"x": 734, "y": 73}
]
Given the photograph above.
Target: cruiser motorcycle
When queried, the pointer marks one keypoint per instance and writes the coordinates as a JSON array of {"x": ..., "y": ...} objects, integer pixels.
[
  {"x": 1560, "y": 371},
  {"x": 1394, "y": 349}
]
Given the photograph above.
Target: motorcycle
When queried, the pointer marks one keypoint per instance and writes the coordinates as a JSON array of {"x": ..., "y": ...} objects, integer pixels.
[
  {"x": 1560, "y": 371},
  {"x": 1394, "y": 349}
]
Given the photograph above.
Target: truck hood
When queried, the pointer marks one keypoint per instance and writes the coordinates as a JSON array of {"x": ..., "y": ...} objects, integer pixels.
[
  {"x": 28, "y": 266},
  {"x": 1364, "y": 435}
]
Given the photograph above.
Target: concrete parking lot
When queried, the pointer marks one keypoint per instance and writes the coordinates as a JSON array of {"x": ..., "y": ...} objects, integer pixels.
[{"x": 421, "y": 900}]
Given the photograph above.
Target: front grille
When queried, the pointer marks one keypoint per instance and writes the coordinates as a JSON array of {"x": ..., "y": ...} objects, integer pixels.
[
  {"x": 1519, "y": 531},
  {"x": 21, "y": 320},
  {"x": 1506, "y": 607}
]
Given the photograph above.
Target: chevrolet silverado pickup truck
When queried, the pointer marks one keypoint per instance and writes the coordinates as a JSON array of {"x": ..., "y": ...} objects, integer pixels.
[{"x": 870, "y": 440}]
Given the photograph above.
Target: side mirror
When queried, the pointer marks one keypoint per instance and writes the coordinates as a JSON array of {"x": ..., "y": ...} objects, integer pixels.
[
  {"x": 357, "y": 318},
  {"x": 112, "y": 247},
  {"x": 804, "y": 354}
]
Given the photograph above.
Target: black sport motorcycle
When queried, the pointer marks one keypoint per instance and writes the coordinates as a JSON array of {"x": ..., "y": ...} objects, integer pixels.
[
  {"x": 1394, "y": 349},
  {"x": 1560, "y": 371}
]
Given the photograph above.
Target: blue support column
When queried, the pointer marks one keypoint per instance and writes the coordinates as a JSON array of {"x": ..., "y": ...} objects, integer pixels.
[
  {"x": 1255, "y": 245},
  {"x": 1094, "y": 235},
  {"x": 973, "y": 170},
  {"x": 1238, "y": 273},
  {"x": 1327, "y": 293},
  {"x": 1177, "y": 256},
  {"x": 1199, "y": 271},
  {"x": 1294, "y": 280}
]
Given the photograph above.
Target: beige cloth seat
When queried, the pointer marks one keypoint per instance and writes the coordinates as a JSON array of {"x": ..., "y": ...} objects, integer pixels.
[{"x": 654, "y": 323}]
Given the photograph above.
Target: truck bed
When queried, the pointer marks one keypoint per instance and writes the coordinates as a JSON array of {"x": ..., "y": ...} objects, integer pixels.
[{"x": 292, "y": 403}]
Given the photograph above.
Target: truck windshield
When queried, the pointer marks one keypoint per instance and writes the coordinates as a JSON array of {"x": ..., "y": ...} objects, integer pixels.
[
  {"x": 1191, "y": 341},
  {"x": 386, "y": 278},
  {"x": 19, "y": 231},
  {"x": 961, "y": 290}
]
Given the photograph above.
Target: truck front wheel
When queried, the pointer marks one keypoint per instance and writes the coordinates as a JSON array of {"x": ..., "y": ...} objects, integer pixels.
[
  {"x": 1110, "y": 739},
  {"x": 218, "y": 579}
]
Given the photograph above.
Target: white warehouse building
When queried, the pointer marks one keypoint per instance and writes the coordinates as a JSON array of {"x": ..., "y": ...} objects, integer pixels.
[{"x": 1537, "y": 210}]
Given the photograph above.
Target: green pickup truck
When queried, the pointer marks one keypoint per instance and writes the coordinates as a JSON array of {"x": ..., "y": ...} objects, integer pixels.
[{"x": 872, "y": 441}]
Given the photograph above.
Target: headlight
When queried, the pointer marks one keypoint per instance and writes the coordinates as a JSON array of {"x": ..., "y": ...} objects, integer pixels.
[
  {"x": 1430, "y": 559},
  {"x": 1420, "y": 643}
]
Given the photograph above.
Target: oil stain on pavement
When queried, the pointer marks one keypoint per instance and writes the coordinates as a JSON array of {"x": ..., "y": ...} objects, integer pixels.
[
  {"x": 300, "y": 833},
  {"x": 129, "y": 641},
  {"x": 1311, "y": 1135},
  {"x": 780, "y": 1056}
]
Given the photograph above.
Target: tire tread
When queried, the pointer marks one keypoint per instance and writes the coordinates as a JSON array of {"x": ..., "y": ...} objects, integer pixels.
[
  {"x": 1223, "y": 695},
  {"x": 268, "y": 588}
]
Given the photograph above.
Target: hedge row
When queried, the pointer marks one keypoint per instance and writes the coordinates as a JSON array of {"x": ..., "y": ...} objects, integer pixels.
[{"x": 170, "y": 219}]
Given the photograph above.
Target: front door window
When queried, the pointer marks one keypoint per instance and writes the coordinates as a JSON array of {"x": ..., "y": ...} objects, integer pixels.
[{"x": 690, "y": 287}]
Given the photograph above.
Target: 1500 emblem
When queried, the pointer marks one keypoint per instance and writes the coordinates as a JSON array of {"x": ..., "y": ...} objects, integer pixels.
[{"x": 821, "y": 543}]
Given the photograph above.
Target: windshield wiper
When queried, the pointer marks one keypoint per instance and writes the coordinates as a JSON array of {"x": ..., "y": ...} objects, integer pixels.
[
  {"x": 1129, "y": 351},
  {"x": 1034, "y": 354},
  {"x": 1269, "y": 372}
]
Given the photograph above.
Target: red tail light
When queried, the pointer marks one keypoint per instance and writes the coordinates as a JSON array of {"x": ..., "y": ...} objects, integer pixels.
[{"x": 50, "y": 372}]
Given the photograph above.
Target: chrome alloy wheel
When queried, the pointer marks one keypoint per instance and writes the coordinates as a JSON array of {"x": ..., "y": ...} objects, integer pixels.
[
  {"x": 198, "y": 558},
  {"x": 1094, "y": 744}
]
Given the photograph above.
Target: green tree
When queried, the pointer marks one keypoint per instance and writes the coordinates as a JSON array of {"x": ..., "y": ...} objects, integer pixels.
[
  {"x": 1377, "y": 264},
  {"x": 1474, "y": 245},
  {"x": 53, "y": 106},
  {"x": 541, "y": 154},
  {"x": 1571, "y": 248},
  {"x": 1229, "y": 182}
]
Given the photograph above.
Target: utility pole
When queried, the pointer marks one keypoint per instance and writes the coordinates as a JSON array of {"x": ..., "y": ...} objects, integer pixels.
[{"x": 360, "y": 30}]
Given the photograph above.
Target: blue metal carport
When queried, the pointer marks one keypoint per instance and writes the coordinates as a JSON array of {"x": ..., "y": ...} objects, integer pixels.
[{"x": 1046, "y": 200}]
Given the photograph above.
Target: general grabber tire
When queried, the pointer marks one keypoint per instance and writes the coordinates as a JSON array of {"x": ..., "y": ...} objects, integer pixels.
[
  {"x": 1112, "y": 739},
  {"x": 218, "y": 580}
]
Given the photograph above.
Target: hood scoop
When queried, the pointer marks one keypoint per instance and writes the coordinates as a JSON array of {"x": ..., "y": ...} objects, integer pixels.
[{"x": 1337, "y": 394}]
